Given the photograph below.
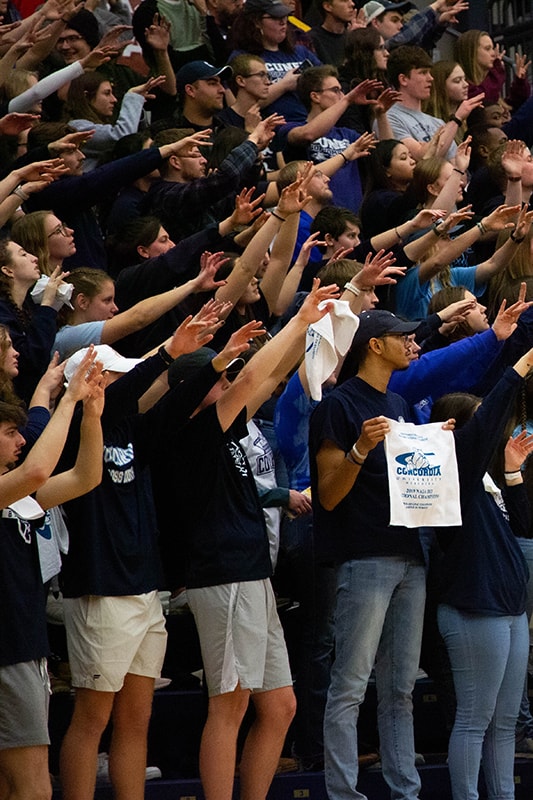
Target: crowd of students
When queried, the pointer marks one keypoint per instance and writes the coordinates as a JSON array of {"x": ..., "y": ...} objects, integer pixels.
[{"x": 179, "y": 243}]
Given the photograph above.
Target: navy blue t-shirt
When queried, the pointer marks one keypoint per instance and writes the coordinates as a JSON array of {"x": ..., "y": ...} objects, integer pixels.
[{"x": 359, "y": 525}]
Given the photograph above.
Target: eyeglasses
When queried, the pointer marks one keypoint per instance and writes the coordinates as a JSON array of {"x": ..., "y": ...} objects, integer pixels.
[
  {"x": 59, "y": 230},
  {"x": 405, "y": 337},
  {"x": 262, "y": 74},
  {"x": 69, "y": 39},
  {"x": 334, "y": 89},
  {"x": 380, "y": 47}
]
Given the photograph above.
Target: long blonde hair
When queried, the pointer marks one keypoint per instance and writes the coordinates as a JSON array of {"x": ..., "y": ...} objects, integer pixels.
[
  {"x": 29, "y": 232},
  {"x": 465, "y": 52},
  {"x": 438, "y": 103}
]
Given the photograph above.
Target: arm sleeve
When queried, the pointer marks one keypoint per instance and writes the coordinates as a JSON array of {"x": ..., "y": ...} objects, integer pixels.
[
  {"x": 159, "y": 274},
  {"x": 214, "y": 187},
  {"x": 475, "y": 441},
  {"x": 518, "y": 508},
  {"x": 78, "y": 192},
  {"x": 417, "y": 30},
  {"x": 105, "y": 135},
  {"x": 455, "y": 368},
  {"x": 46, "y": 86}
]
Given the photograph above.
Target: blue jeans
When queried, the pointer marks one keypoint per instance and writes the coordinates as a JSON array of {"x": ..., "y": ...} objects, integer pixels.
[
  {"x": 488, "y": 656},
  {"x": 378, "y": 620},
  {"x": 524, "y": 724}
]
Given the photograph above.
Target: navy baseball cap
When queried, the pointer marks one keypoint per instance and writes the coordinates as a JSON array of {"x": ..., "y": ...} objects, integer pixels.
[
  {"x": 198, "y": 71},
  {"x": 378, "y": 322}
]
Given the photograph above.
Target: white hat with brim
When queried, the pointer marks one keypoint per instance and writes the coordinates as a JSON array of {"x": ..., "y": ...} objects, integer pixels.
[{"x": 111, "y": 360}]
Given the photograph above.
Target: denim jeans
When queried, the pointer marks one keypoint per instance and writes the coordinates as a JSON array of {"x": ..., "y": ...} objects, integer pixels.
[
  {"x": 524, "y": 725},
  {"x": 488, "y": 656},
  {"x": 313, "y": 585},
  {"x": 378, "y": 620}
]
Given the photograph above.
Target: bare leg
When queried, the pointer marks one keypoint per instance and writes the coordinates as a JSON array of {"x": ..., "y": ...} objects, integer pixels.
[
  {"x": 263, "y": 745},
  {"x": 24, "y": 774},
  {"x": 218, "y": 750},
  {"x": 127, "y": 753},
  {"x": 79, "y": 750}
]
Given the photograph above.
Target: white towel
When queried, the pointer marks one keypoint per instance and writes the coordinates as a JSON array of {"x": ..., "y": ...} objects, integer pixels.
[
  {"x": 63, "y": 294},
  {"x": 326, "y": 340}
]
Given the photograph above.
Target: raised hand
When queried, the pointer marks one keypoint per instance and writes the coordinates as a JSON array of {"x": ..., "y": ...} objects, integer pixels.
[
  {"x": 378, "y": 270},
  {"x": 361, "y": 93},
  {"x": 362, "y": 146},
  {"x": 158, "y": 34},
  {"x": 14, "y": 123},
  {"x": 506, "y": 319},
  {"x": 146, "y": 89},
  {"x": 210, "y": 263},
  {"x": 517, "y": 450},
  {"x": 309, "y": 311},
  {"x": 70, "y": 142},
  {"x": 239, "y": 342},
  {"x": 246, "y": 209}
]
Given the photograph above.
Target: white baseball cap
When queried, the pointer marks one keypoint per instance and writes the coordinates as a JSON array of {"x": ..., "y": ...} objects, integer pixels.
[{"x": 112, "y": 361}]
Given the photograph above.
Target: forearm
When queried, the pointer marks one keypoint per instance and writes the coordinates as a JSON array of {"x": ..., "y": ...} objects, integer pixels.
[
  {"x": 384, "y": 127},
  {"x": 513, "y": 193},
  {"x": 86, "y": 473},
  {"x": 23, "y": 102},
  {"x": 448, "y": 194},
  {"x": 249, "y": 261},
  {"x": 163, "y": 66},
  {"x": 280, "y": 260},
  {"x": 288, "y": 289},
  {"x": 319, "y": 125},
  {"x": 336, "y": 476},
  {"x": 496, "y": 262},
  {"x": 450, "y": 249}
]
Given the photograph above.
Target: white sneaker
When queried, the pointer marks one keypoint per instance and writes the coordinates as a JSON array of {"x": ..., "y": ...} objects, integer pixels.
[{"x": 102, "y": 770}]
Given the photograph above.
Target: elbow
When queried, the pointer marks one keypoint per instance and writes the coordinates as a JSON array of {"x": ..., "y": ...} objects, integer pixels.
[
  {"x": 327, "y": 502},
  {"x": 36, "y": 476}
]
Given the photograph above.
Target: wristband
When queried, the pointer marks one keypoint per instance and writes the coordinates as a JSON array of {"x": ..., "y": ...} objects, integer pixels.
[
  {"x": 278, "y": 216},
  {"x": 515, "y": 180},
  {"x": 353, "y": 460},
  {"x": 343, "y": 156},
  {"x": 482, "y": 228},
  {"x": 515, "y": 239},
  {"x": 353, "y": 289},
  {"x": 165, "y": 355},
  {"x": 455, "y": 119},
  {"x": 400, "y": 238},
  {"x": 356, "y": 453},
  {"x": 19, "y": 191},
  {"x": 436, "y": 228},
  {"x": 512, "y": 476}
]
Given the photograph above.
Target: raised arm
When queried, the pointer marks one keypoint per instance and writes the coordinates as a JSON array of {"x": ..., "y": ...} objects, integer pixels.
[
  {"x": 86, "y": 473},
  {"x": 273, "y": 361},
  {"x": 41, "y": 460}
]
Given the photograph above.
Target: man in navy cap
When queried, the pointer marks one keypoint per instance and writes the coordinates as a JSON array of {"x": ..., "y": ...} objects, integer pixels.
[
  {"x": 202, "y": 94},
  {"x": 380, "y": 568}
]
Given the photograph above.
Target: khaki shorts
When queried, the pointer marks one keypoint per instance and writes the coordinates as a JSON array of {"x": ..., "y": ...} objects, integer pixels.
[
  {"x": 109, "y": 637},
  {"x": 241, "y": 637},
  {"x": 24, "y": 699}
]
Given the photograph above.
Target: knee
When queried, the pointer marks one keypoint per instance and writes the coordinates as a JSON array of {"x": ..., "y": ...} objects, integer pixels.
[{"x": 278, "y": 708}]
